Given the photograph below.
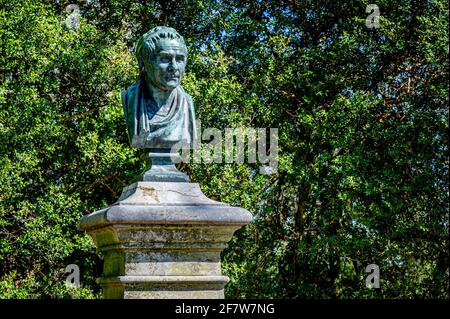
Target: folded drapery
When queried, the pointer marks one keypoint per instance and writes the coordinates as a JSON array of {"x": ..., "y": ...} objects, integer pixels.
[{"x": 150, "y": 127}]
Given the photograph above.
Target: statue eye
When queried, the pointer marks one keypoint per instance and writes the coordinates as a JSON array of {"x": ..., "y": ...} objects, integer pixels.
[{"x": 165, "y": 59}]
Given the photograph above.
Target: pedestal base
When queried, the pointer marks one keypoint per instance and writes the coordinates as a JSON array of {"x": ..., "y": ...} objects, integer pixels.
[
  {"x": 163, "y": 240},
  {"x": 164, "y": 287}
]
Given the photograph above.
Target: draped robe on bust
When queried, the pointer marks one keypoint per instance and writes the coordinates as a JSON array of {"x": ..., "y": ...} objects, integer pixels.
[{"x": 150, "y": 127}]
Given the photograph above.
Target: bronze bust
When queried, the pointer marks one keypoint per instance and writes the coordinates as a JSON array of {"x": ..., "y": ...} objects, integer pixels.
[{"x": 159, "y": 113}]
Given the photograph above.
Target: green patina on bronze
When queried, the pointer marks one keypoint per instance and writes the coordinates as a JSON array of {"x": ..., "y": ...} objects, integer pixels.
[{"x": 158, "y": 112}]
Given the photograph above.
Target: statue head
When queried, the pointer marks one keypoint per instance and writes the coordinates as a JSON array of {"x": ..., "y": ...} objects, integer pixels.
[{"x": 161, "y": 53}]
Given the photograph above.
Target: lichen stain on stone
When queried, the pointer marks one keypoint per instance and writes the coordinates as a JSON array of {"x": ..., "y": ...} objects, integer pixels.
[{"x": 150, "y": 192}]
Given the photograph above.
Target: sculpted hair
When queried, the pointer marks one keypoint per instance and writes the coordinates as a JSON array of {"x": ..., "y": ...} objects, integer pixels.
[{"x": 146, "y": 45}]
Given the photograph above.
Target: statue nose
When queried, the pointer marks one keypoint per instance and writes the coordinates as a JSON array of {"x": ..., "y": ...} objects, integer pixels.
[{"x": 174, "y": 65}]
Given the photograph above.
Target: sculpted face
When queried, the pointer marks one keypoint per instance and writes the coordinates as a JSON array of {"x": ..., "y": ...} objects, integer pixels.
[{"x": 166, "y": 69}]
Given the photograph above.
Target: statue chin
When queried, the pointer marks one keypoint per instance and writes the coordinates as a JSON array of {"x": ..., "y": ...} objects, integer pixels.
[
  {"x": 173, "y": 84},
  {"x": 164, "y": 85}
]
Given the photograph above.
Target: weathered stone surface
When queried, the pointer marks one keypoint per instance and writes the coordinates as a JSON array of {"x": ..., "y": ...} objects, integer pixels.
[
  {"x": 163, "y": 240},
  {"x": 164, "y": 287}
]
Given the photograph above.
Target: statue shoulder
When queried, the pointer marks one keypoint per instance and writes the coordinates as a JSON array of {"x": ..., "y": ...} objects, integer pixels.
[
  {"x": 188, "y": 97},
  {"x": 191, "y": 101},
  {"x": 126, "y": 94}
]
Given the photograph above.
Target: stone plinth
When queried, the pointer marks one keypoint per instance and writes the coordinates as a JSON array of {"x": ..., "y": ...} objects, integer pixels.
[{"x": 163, "y": 240}]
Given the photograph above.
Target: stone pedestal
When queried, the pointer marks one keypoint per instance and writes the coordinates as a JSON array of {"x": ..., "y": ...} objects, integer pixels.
[
  {"x": 163, "y": 168},
  {"x": 163, "y": 240}
]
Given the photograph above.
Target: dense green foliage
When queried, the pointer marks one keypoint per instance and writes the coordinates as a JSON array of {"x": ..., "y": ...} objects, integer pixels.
[{"x": 362, "y": 116}]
